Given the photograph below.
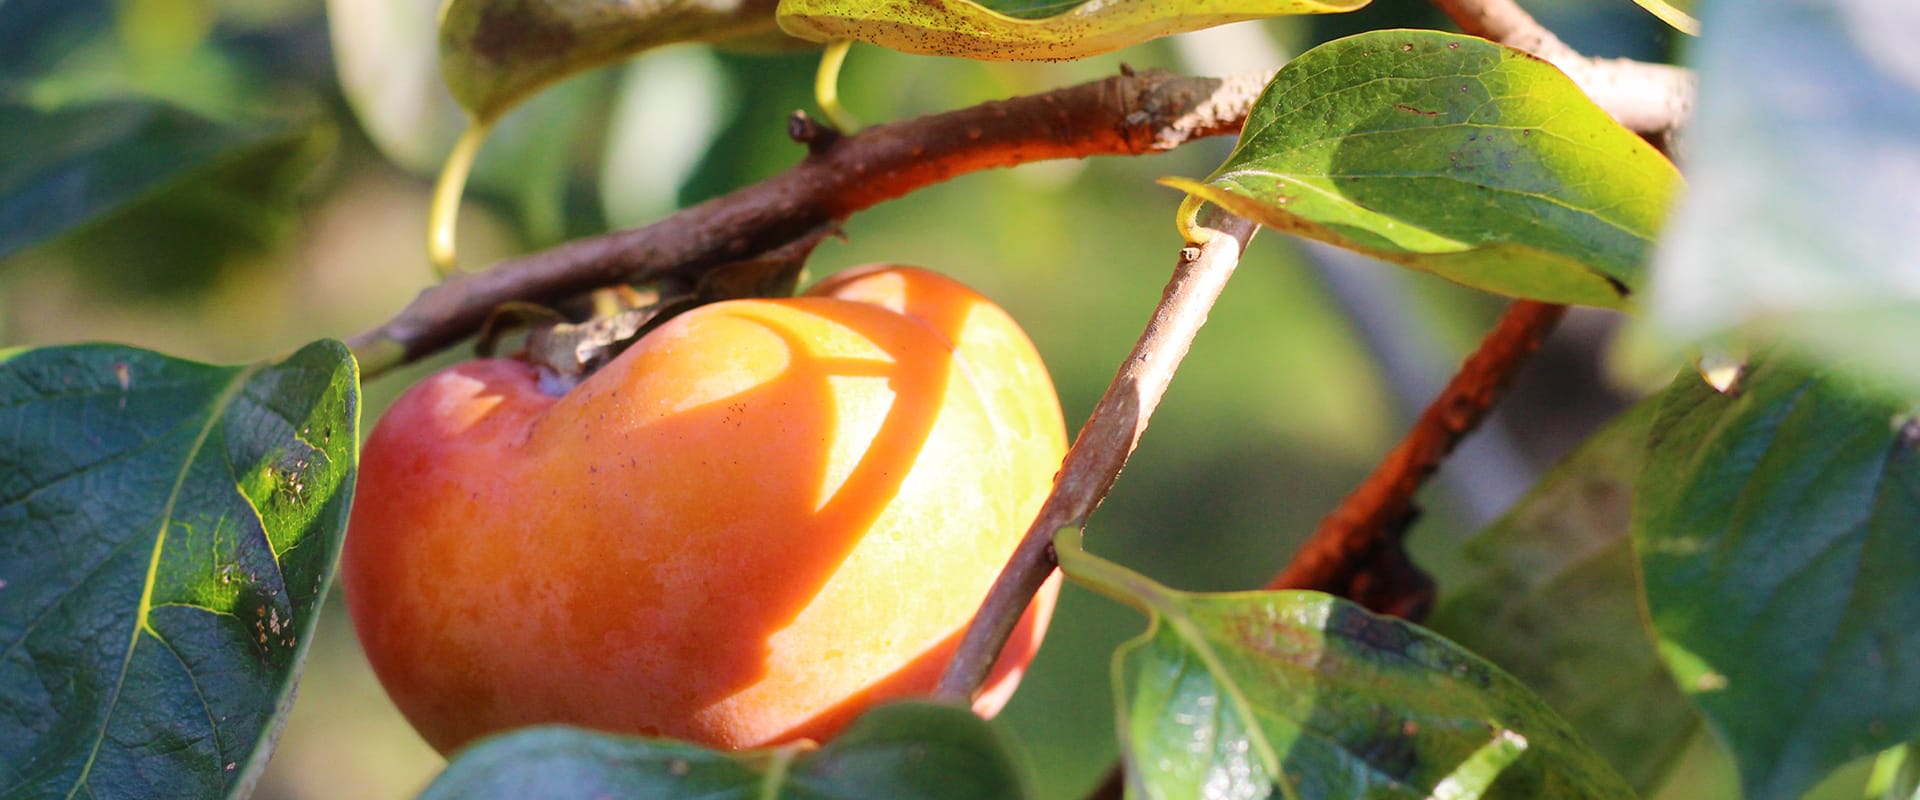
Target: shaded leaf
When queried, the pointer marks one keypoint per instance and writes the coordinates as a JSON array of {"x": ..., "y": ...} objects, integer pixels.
[
  {"x": 494, "y": 53},
  {"x": 64, "y": 167},
  {"x": 1453, "y": 155},
  {"x": 39, "y": 33},
  {"x": 1778, "y": 531},
  {"x": 1555, "y": 602},
  {"x": 1025, "y": 30},
  {"x": 1803, "y": 163},
  {"x": 167, "y": 531},
  {"x": 1301, "y": 694},
  {"x": 908, "y": 750}
]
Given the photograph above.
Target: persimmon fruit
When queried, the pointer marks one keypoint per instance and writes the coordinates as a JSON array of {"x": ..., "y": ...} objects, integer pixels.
[{"x": 761, "y": 519}]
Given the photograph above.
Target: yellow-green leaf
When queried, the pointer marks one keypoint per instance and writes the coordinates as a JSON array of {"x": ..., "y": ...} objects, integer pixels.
[
  {"x": 495, "y": 53},
  {"x": 1025, "y": 30},
  {"x": 1452, "y": 155}
]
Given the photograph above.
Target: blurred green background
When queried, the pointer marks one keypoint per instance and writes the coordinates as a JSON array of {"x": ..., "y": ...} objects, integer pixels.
[{"x": 271, "y": 162}]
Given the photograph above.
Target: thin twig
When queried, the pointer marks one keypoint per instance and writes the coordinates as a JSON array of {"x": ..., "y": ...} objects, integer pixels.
[
  {"x": 1341, "y": 556},
  {"x": 1111, "y": 433}
]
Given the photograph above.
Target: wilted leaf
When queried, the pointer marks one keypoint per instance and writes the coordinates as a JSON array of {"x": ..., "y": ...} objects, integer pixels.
[
  {"x": 1453, "y": 155},
  {"x": 1557, "y": 604},
  {"x": 903, "y": 751},
  {"x": 1778, "y": 530},
  {"x": 1804, "y": 163},
  {"x": 64, "y": 167},
  {"x": 1301, "y": 694},
  {"x": 167, "y": 531},
  {"x": 494, "y": 53},
  {"x": 1025, "y": 30}
]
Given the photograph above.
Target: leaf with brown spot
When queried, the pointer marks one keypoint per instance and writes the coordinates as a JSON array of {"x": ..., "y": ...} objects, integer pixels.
[{"x": 1025, "y": 30}]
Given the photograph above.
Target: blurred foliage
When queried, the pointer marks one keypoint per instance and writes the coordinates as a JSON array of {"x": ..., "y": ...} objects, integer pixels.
[{"x": 1277, "y": 412}]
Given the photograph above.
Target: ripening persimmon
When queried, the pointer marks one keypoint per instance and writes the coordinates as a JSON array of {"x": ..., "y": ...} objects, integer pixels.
[{"x": 761, "y": 519}]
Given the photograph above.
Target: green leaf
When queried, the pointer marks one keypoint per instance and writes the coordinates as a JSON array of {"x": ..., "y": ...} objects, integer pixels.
[
  {"x": 1235, "y": 695},
  {"x": 1555, "y": 602},
  {"x": 1799, "y": 225},
  {"x": 167, "y": 531},
  {"x": 1453, "y": 155},
  {"x": 1778, "y": 532},
  {"x": 495, "y": 53},
  {"x": 1025, "y": 30},
  {"x": 908, "y": 750},
  {"x": 1896, "y": 774},
  {"x": 64, "y": 167}
]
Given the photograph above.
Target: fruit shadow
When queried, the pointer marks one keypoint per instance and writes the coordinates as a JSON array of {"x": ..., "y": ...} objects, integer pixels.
[{"x": 785, "y": 540}]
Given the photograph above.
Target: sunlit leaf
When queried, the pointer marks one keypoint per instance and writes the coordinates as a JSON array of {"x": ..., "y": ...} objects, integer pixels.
[
  {"x": 1896, "y": 774},
  {"x": 62, "y": 168},
  {"x": 167, "y": 531},
  {"x": 1555, "y": 602},
  {"x": 1778, "y": 530},
  {"x": 1301, "y": 694},
  {"x": 1804, "y": 159},
  {"x": 1019, "y": 30},
  {"x": 1677, "y": 13},
  {"x": 1453, "y": 155},
  {"x": 494, "y": 53},
  {"x": 908, "y": 751}
]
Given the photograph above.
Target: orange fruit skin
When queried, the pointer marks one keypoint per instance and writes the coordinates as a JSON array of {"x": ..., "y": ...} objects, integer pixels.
[{"x": 763, "y": 518}]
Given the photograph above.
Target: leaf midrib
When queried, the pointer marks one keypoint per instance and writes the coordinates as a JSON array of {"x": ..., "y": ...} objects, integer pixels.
[{"x": 214, "y": 417}]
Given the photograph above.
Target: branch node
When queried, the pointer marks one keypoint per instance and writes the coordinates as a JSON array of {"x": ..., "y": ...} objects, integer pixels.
[{"x": 816, "y": 135}]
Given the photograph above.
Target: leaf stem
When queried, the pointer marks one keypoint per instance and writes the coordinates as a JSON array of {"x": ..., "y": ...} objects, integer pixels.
[
  {"x": 443, "y": 215},
  {"x": 1119, "y": 583},
  {"x": 826, "y": 86},
  {"x": 1108, "y": 438}
]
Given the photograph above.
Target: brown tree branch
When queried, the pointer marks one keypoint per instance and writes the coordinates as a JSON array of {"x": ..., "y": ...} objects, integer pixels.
[
  {"x": 1649, "y": 99},
  {"x": 1110, "y": 435},
  {"x": 1356, "y": 553},
  {"x": 1125, "y": 114}
]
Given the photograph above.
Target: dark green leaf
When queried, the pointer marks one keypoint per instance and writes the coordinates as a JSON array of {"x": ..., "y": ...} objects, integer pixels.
[
  {"x": 39, "y": 33},
  {"x": 1024, "y": 30},
  {"x": 167, "y": 531},
  {"x": 1799, "y": 222},
  {"x": 62, "y": 168},
  {"x": 1778, "y": 531},
  {"x": 1453, "y": 155},
  {"x": 1557, "y": 604},
  {"x": 1237, "y": 695},
  {"x": 494, "y": 53},
  {"x": 906, "y": 750}
]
